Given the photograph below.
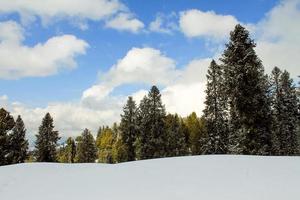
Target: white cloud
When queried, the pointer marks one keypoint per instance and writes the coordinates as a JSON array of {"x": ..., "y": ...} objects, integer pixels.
[
  {"x": 125, "y": 22},
  {"x": 50, "y": 9},
  {"x": 184, "y": 98},
  {"x": 163, "y": 24},
  {"x": 78, "y": 12},
  {"x": 139, "y": 65},
  {"x": 69, "y": 118},
  {"x": 196, "y": 23},
  {"x": 278, "y": 37},
  {"x": 18, "y": 60}
]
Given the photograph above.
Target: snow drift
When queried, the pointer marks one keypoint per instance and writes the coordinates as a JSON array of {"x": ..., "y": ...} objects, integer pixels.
[{"x": 184, "y": 178}]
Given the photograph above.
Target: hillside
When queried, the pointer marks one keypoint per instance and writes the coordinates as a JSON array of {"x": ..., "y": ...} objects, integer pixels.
[{"x": 185, "y": 178}]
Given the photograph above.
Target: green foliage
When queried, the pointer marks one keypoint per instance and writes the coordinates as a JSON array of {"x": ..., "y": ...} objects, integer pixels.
[
  {"x": 151, "y": 136},
  {"x": 105, "y": 145},
  {"x": 285, "y": 112},
  {"x": 67, "y": 153},
  {"x": 6, "y": 125},
  {"x": 46, "y": 141},
  {"x": 246, "y": 89},
  {"x": 119, "y": 151},
  {"x": 197, "y": 133},
  {"x": 86, "y": 148},
  {"x": 18, "y": 144},
  {"x": 215, "y": 112},
  {"x": 128, "y": 127},
  {"x": 175, "y": 136}
]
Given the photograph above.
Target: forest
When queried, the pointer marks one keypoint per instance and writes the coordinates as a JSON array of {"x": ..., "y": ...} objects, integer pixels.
[{"x": 246, "y": 112}]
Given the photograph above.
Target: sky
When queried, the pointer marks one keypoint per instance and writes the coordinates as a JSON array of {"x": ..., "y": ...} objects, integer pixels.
[{"x": 81, "y": 59}]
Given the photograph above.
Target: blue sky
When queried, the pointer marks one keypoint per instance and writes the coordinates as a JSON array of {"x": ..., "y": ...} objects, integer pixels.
[{"x": 105, "y": 42}]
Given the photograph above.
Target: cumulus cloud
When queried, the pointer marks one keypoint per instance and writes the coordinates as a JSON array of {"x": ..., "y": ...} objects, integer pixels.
[
  {"x": 139, "y": 65},
  {"x": 278, "y": 37},
  {"x": 182, "y": 89},
  {"x": 163, "y": 24},
  {"x": 49, "y": 9},
  {"x": 69, "y": 118},
  {"x": 78, "y": 12},
  {"x": 125, "y": 22},
  {"x": 18, "y": 60},
  {"x": 182, "y": 93},
  {"x": 197, "y": 23}
]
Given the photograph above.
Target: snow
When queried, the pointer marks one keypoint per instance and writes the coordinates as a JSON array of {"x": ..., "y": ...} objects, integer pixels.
[{"x": 184, "y": 178}]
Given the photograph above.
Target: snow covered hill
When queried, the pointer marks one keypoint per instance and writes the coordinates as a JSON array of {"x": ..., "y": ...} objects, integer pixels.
[{"x": 185, "y": 178}]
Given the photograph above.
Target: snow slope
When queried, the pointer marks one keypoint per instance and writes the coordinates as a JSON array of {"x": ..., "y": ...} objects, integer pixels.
[{"x": 185, "y": 178}]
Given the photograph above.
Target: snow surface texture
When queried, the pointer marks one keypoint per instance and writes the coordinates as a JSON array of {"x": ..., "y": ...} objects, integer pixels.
[{"x": 185, "y": 178}]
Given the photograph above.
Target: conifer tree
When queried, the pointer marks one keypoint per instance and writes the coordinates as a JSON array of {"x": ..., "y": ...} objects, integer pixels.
[
  {"x": 70, "y": 150},
  {"x": 6, "y": 124},
  {"x": 105, "y": 145},
  {"x": 18, "y": 144},
  {"x": 175, "y": 136},
  {"x": 285, "y": 112},
  {"x": 196, "y": 130},
  {"x": 150, "y": 142},
  {"x": 246, "y": 88},
  {"x": 215, "y": 114},
  {"x": 119, "y": 151},
  {"x": 128, "y": 127},
  {"x": 87, "y": 150},
  {"x": 46, "y": 141}
]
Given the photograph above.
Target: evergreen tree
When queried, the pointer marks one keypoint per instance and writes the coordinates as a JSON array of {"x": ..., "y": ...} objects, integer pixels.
[
  {"x": 151, "y": 137},
  {"x": 87, "y": 150},
  {"x": 246, "y": 89},
  {"x": 6, "y": 124},
  {"x": 67, "y": 152},
  {"x": 175, "y": 136},
  {"x": 215, "y": 112},
  {"x": 128, "y": 127},
  {"x": 18, "y": 144},
  {"x": 105, "y": 145},
  {"x": 46, "y": 141},
  {"x": 119, "y": 151},
  {"x": 285, "y": 112},
  {"x": 197, "y": 133}
]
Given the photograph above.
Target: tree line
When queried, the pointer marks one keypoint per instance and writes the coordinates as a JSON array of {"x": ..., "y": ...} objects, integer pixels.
[{"x": 246, "y": 112}]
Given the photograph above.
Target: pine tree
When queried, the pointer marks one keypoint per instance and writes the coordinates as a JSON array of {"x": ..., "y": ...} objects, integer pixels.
[
  {"x": 105, "y": 145},
  {"x": 119, "y": 151},
  {"x": 6, "y": 124},
  {"x": 175, "y": 136},
  {"x": 246, "y": 89},
  {"x": 18, "y": 144},
  {"x": 285, "y": 112},
  {"x": 150, "y": 142},
  {"x": 68, "y": 153},
  {"x": 87, "y": 150},
  {"x": 215, "y": 112},
  {"x": 196, "y": 131},
  {"x": 128, "y": 127},
  {"x": 46, "y": 141}
]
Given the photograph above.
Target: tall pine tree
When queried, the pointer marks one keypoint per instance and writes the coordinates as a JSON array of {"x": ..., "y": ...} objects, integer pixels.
[
  {"x": 128, "y": 127},
  {"x": 285, "y": 112},
  {"x": 46, "y": 141},
  {"x": 150, "y": 142},
  {"x": 246, "y": 88},
  {"x": 6, "y": 124},
  {"x": 18, "y": 144},
  {"x": 87, "y": 150},
  {"x": 215, "y": 112}
]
